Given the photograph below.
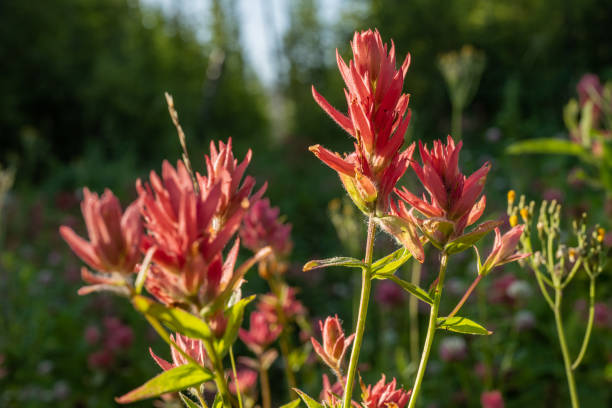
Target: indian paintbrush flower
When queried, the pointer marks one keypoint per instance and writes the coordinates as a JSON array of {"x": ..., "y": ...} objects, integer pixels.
[
  {"x": 383, "y": 395},
  {"x": 378, "y": 117},
  {"x": 262, "y": 332},
  {"x": 192, "y": 347},
  {"x": 114, "y": 239},
  {"x": 492, "y": 399},
  {"x": 184, "y": 230},
  {"x": 262, "y": 227},
  {"x": 335, "y": 344},
  {"x": 504, "y": 249}
]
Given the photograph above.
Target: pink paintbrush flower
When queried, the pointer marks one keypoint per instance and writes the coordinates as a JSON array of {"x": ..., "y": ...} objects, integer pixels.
[
  {"x": 262, "y": 227},
  {"x": 188, "y": 238},
  {"x": 335, "y": 344},
  {"x": 492, "y": 399},
  {"x": 504, "y": 249},
  {"x": 383, "y": 395},
  {"x": 192, "y": 347},
  {"x": 262, "y": 332},
  {"x": 114, "y": 239},
  {"x": 377, "y": 118}
]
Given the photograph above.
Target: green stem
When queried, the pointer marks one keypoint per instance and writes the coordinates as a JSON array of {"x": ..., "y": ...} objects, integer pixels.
[
  {"x": 589, "y": 328},
  {"x": 366, "y": 284},
  {"x": 564, "y": 351},
  {"x": 284, "y": 340},
  {"x": 235, "y": 372},
  {"x": 200, "y": 398},
  {"x": 431, "y": 330},
  {"x": 220, "y": 381},
  {"x": 413, "y": 309}
]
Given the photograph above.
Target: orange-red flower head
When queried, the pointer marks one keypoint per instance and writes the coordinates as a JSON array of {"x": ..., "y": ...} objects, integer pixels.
[
  {"x": 455, "y": 200},
  {"x": 383, "y": 395},
  {"x": 377, "y": 118},
  {"x": 114, "y": 239},
  {"x": 193, "y": 347},
  {"x": 335, "y": 344}
]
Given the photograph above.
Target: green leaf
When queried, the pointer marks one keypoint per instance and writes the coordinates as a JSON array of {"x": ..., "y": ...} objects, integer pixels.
[
  {"x": 234, "y": 317},
  {"x": 176, "y": 319},
  {"x": 310, "y": 403},
  {"x": 336, "y": 261},
  {"x": 175, "y": 379},
  {"x": 409, "y": 287},
  {"x": 390, "y": 263},
  {"x": 218, "y": 402},
  {"x": 292, "y": 404},
  {"x": 547, "y": 146},
  {"x": 461, "y": 325},
  {"x": 188, "y": 403},
  {"x": 468, "y": 240}
]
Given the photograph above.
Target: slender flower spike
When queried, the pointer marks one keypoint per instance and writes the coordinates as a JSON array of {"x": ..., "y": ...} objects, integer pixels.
[
  {"x": 454, "y": 199},
  {"x": 114, "y": 239},
  {"x": 261, "y": 333},
  {"x": 383, "y": 395},
  {"x": 504, "y": 249},
  {"x": 335, "y": 344},
  {"x": 192, "y": 347},
  {"x": 377, "y": 118}
]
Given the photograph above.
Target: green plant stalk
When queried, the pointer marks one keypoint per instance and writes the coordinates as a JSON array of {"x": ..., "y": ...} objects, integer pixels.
[
  {"x": 413, "y": 309},
  {"x": 589, "y": 328},
  {"x": 200, "y": 398},
  {"x": 564, "y": 350},
  {"x": 220, "y": 381},
  {"x": 431, "y": 330},
  {"x": 366, "y": 285},
  {"x": 234, "y": 371}
]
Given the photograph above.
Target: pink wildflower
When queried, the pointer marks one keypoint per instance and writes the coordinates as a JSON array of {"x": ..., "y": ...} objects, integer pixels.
[
  {"x": 262, "y": 332},
  {"x": 383, "y": 395},
  {"x": 192, "y": 347},
  {"x": 492, "y": 399},
  {"x": 504, "y": 249},
  {"x": 335, "y": 344}
]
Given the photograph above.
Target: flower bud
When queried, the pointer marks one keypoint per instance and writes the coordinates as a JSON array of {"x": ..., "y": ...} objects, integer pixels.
[
  {"x": 335, "y": 344},
  {"x": 511, "y": 196}
]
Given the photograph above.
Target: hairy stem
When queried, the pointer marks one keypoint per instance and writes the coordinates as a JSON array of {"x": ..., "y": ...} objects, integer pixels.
[
  {"x": 431, "y": 330},
  {"x": 413, "y": 308},
  {"x": 220, "y": 381},
  {"x": 366, "y": 284}
]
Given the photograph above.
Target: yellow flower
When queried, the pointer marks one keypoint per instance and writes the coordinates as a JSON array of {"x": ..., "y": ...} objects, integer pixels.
[{"x": 511, "y": 196}]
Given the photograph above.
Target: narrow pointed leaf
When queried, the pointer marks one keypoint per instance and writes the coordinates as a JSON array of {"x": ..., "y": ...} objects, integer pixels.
[
  {"x": 468, "y": 240},
  {"x": 188, "y": 403},
  {"x": 390, "y": 263},
  {"x": 176, "y": 319},
  {"x": 408, "y": 287},
  {"x": 292, "y": 404},
  {"x": 461, "y": 325},
  {"x": 310, "y": 403},
  {"x": 234, "y": 317},
  {"x": 175, "y": 379},
  {"x": 336, "y": 261}
]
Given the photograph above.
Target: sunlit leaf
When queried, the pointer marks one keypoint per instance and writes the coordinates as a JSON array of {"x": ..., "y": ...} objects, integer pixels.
[
  {"x": 188, "y": 403},
  {"x": 292, "y": 404},
  {"x": 461, "y": 325},
  {"x": 234, "y": 317},
  {"x": 310, "y": 403},
  {"x": 468, "y": 240},
  {"x": 176, "y": 319},
  {"x": 175, "y": 379},
  {"x": 390, "y": 263},
  {"x": 336, "y": 261},
  {"x": 408, "y": 287}
]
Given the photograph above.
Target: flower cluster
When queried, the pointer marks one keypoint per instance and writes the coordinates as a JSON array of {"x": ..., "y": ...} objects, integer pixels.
[{"x": 378, "y": 117}]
